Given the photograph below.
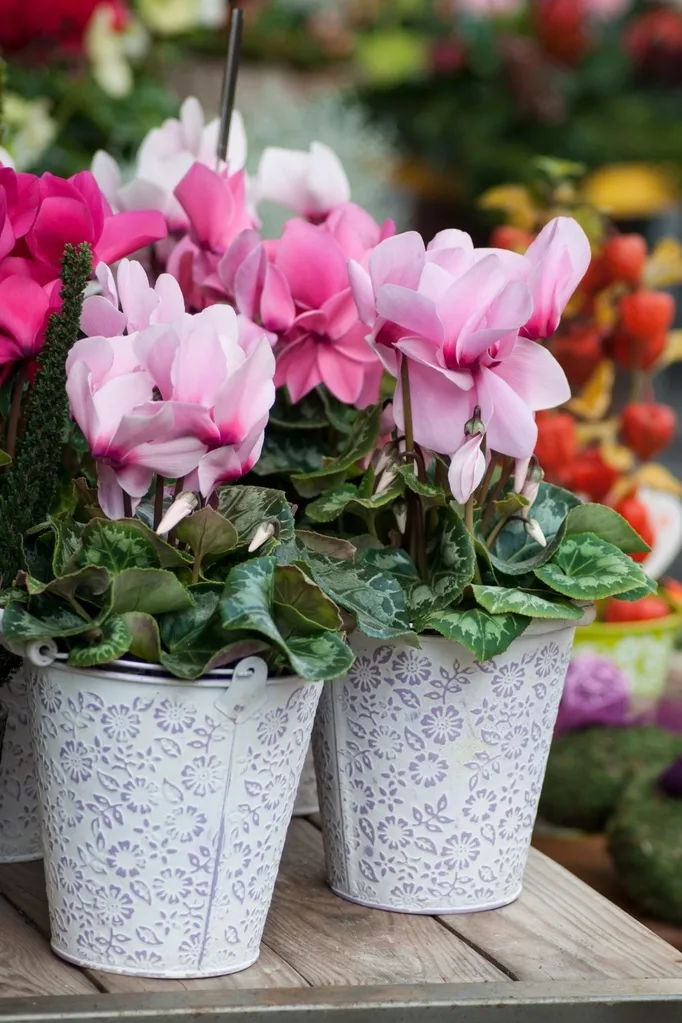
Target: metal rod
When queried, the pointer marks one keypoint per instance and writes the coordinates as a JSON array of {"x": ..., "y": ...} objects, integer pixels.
[{"x": 234, "y": 46}]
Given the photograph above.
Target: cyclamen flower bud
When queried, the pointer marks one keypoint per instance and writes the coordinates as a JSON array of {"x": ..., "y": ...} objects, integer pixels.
[
  {"x": 475, "y": 427},
  {"x": 532, "y": 527}
]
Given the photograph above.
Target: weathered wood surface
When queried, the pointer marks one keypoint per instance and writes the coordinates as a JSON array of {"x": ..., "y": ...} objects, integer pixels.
[
  {"x": 558, "y": 931},
  {"x": 587, "y": 857}
]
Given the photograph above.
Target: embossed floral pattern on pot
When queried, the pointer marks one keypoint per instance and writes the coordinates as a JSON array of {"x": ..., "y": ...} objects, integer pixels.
[
  {"x": 430, "y": 766},
  {"x": 163, "y": 821},
  {"x": 19, "y": 810}
]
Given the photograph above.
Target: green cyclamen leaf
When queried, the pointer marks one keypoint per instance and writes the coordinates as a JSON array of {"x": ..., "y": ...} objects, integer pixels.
[
  {"x": 180, "y": 630},
  {"x": 301, "y": 603},
  {"x": 608, "y": 525},
  {"x": 451, "y": 566},
  {"x": 152, "y": 591},
  {"x": 144, "y": 632},
  {"x": 360, "y": 442},
  {"x": 249, "y": 507},
  {"x": 498, "y": 600},
  {"x": 372, "y": 596},
  {"x": 111, "y": 640},
  {"x": 87, "y": 582},
  {"x": 332, "y": 503},
  {"x": 587, "y": 568},
  {"x": 515, "y": 553},
  {"x": 483, "y": 634},
  {"x": 648, "y": 589},
  {"x": 248, "y": 605},
  {"x": 208, "y": 534},
  {"x": 48, "y": 618},
  {"x": 115, "y": 546}
]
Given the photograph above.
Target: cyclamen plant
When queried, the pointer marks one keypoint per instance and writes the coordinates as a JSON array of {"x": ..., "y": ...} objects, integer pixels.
[{"x": 449, "y": 527}]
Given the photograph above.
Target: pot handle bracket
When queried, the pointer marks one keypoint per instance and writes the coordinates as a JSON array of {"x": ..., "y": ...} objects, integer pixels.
[
  {"x": 40, "y": 652},
  {"x": 247, "y": 692}
]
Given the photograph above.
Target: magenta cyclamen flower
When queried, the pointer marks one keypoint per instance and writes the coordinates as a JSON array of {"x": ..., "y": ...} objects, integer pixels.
[
  {"x": 216, "y": 208},
  {"x": 463, "y": 319},
  {"x": 326, "y": 344}
]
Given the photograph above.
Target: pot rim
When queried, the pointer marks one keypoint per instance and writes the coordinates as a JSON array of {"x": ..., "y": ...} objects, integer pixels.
[{"x": 147, "y": 673}]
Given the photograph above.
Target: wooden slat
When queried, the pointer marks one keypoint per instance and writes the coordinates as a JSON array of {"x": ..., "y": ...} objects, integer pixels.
[
  {"x": 24, "y": 886},
  {"x": 28, "y": 967},
  {"x": 331, "y": 941},
  {"x": 560, "y": 929},
  {"x": 587, "y": 857}
]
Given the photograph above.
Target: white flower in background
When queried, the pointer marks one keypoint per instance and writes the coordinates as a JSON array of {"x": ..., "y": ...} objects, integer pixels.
[
  {"x": 311, "y": 183},
  {"x": 172, "y": 17},
  {"x": 487, "y": 8},
  {"x": 111, "y": 44},
  {"x": 163, "y": 159},
  {"x": 29, "y": 131}
]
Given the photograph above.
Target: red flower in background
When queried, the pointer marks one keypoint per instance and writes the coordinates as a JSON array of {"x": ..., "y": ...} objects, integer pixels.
[
  {"x": 37, "y": 24},
  {"x": 654, "y": 42}
]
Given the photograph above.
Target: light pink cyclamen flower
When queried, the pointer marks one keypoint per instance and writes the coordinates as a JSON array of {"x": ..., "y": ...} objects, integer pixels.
[
  {"x": 130, "y": 303},
  {"x": 458, "y": 315},
  {"x": 326, "y": 342},
  {"x": 200, "y": 361},
  {"x": 131, "y": 436},
  {"x": 165, "y": 156},
  {"x": 311, "y": 184}
]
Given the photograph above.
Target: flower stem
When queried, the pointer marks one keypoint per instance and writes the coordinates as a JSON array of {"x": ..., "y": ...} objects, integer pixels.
[
  {"x": 127, "y": 506},
  {"x": 496, "y": 530},
  {"x": 507, "y": 467},
  {"x": 407, "y": 404},
  {"x": 469, "y": 515},
  {"x": 484, "y": 487},
  {"x": 158, "y": 501},
  {"x": 15, "y": 411}
]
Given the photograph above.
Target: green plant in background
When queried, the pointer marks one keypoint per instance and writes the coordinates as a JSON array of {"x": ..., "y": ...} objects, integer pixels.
[{"x": 474, "y": 97}]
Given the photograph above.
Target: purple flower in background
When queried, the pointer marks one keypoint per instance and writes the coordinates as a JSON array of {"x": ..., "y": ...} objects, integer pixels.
[{"x": 596, "y": 693}]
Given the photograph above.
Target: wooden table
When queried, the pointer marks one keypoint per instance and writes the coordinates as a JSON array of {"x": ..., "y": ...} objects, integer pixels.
[{"x": 561, "y": 954}]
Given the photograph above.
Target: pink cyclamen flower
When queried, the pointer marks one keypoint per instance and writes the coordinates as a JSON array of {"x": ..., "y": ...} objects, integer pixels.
[
  {"x": 326, "y": 342},
  {"x": 311, "y": 184},
  {"x": 164, "y": 158},
  {"x": 200, "y": 362},
  {"x": 131, "y": 436},
  {"x": 19, "y": 201},
  {"x": 217, "y": 212},
  {"x": 74, "y": 210},
  {"x": 257, "y": 287},
  {"x": 559, "y": 257},
  {"x": 457, "y": 314},
  {"x": 25, "y": 309},
  {"x": 130, "y": 303}
]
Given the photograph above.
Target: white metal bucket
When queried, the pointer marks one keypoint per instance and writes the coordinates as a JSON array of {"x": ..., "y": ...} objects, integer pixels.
[
  {"x": 19, "y": 809},
  {"x": 306, "y": 797},
  {"x": 430, "y": 766},
  {"x": 165, "y": 809}
]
